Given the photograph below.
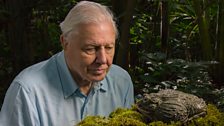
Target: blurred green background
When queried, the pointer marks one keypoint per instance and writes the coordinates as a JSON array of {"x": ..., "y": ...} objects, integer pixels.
[{"x": 174, "y": 44}]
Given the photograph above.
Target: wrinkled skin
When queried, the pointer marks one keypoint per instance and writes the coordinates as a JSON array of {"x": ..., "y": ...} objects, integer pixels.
[
  {"x": 171, "y": 105},
  {"x": 89, "y": 52}
]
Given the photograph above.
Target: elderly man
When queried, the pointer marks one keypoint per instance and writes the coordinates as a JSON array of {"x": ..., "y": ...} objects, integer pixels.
[{"x": 79, "y": 81}]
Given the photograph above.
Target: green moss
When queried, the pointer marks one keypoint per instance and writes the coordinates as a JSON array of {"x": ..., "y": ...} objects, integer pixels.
[
  {"x": 119, "y": 117},
  {"x": 94, "y": 121},
  {"x": 117, "y": 112},
  {"x": 126, "y": 117},
  {"x": 127, "y": 113},
  {"x": 130, "y": 117},
  {"x": 160, "y": 123},
  {"x": 125, "y": 121},
  {"x": 213, "y": 118}
]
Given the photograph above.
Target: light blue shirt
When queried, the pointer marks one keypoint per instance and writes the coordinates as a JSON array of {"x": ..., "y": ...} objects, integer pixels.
[{"x": 45, "y": 94}]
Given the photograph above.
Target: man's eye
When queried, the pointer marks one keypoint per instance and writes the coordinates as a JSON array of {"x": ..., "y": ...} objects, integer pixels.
[
  {"x": 109, "y": 48},
  {"x": 90, "y": 50}
]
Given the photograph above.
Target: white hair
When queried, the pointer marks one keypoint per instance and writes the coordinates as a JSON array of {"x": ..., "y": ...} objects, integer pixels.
[{"x": 87, "y": 12}]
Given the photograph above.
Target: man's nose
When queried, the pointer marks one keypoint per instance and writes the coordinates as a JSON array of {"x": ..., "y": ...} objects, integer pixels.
[{"x": 101, "y": 56}]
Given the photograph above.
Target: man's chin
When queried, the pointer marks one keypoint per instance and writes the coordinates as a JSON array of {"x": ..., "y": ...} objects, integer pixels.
[{"x": 97, "y": 78}]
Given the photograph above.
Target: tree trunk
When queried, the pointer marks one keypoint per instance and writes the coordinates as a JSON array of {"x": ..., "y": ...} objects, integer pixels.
[
  {"x": 218, "y": 74},
  {"x": 203, "y": 30},
  {"x": 221, "y": 31},
  {"x": 17, "y": 35},
  {"x": 164, "y": 25},
  {"x": 124, "y": 11}
]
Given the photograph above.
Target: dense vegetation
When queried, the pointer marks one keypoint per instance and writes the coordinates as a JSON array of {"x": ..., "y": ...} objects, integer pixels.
[
  {"x": 131, "y": 117},
  {"x": 163, "y": 44}
]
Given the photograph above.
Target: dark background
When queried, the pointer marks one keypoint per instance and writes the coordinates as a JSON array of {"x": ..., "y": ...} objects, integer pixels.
[{"x": 162, "y": 44}]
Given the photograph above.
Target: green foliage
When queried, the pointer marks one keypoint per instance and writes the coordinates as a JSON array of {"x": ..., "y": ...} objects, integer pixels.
[
  {"x": 144, "y": 31},
  {"x": 173, "y": 72},
  {"x": 94, "y": 121},
  {"x": 130, "y": 117},
  {"x": 125, "y": 121},
  {"x": 126, "y": 117},
  {"x": 213, "y": 118},
  {"x": 184, "y": 34},
  {"x": 181, "y": 67},
  {"x": 45, "y": 26},
  {"x": 191, "y": 77},
  {"x": 121, "y": 112},
  {"x": 120, "y": 117}
]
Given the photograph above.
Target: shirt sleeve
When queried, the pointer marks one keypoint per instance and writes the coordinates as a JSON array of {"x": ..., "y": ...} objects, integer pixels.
[
  {"x": 129, "y": 100},
  {"x": 19, "y": 107}
]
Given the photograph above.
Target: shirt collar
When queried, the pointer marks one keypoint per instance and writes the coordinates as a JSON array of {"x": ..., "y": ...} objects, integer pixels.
[
  {"x": 104, "y": 85},
  {"x": 69, "y": 86}
]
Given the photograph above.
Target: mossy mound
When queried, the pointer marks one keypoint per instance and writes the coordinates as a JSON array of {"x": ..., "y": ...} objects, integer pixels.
[
  {"x": 127, "y": 113},
  {"x": 119, "y": 117},
  {"x": 130, "y": 117},
  {"x": 126, "y": 117},
  {"x": 94, "y": 121},
  {"x": 213, "y": 118}
]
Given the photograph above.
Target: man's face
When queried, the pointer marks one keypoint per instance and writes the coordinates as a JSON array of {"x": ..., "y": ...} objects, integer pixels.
[{"x": 89, "y": 51}]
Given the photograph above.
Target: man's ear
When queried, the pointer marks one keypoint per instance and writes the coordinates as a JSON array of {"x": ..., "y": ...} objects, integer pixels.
[{"x": 63, "y": 41}]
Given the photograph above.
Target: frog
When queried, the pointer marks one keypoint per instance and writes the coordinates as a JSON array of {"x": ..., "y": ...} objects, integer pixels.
[{"x": 171, "y": 105}]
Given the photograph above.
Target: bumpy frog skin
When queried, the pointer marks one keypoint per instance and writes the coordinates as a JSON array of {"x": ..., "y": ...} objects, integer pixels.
[{"x": 171, "y": 105}]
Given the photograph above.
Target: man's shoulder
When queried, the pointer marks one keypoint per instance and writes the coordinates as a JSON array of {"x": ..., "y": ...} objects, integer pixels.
[
  {"x": 118, "y": 72},
  {"x": 36, "y": 73},
  {"x": 118, "y": 80},
  {"x": 117, "y": 69}
]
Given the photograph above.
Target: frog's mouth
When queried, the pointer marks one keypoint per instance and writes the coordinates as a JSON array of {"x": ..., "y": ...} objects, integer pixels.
[{"x": 144, "y": 112}]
